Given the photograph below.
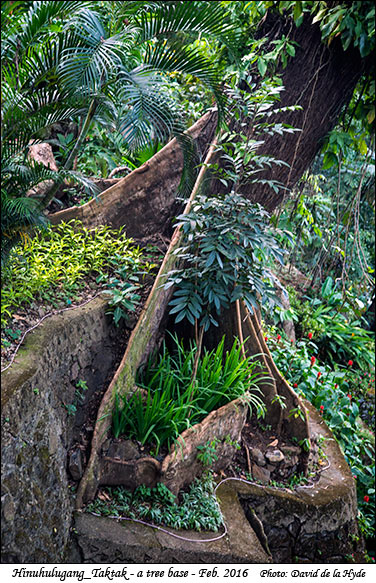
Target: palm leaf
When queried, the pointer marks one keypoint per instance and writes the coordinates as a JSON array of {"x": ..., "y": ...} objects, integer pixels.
[
  {"x": 189, "y": 61},
  {"x": 89, "y": 64},
  {"x": 148, "y": 112},
  {"x": 35, "y": 24},
  {"x": 209, "y": 18},
  {"x": 18, "y": 216}
]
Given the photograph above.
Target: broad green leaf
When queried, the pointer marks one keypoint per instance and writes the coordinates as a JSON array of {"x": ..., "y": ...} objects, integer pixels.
[{"x": 262, "y": 66}]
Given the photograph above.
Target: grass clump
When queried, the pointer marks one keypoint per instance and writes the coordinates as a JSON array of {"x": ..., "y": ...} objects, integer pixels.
[
  {"x": 197, "y": 509},
  {"x": 52, "y": 266},
  {"x": 171, "y": 401}
]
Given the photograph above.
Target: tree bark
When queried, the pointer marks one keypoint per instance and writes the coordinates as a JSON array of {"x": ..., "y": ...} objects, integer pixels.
[
  {"x": 321, "y": 80},
  {"x": 144, "y": 201}
]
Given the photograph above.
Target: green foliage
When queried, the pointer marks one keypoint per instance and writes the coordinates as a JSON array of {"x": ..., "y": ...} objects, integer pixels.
[
  {"x": 227, "y": 248},
  {"x": 87, "y": 50},
  {"x": 207, "y": 452},
  {"x": 105, "y": 150},
  {"x": 336, "y": 325},
  {"x": 254, "y": 110},
  {"x": 228, "y": 245},
  {"x": 262, "y": 53},
  {"x": 79, "y": 397},
  {"x": 18, "y": 216},
  {"x": 168, "y": 401},
  {"x": 127, "y": 280},
  {"x": 332, "y": 216},
  {"x": 32, "y": 101},
  {"x": 197, "y": 510},
  {"x": 353, "y": 22},
  {"x": 191, "y": 94},
  {"x": 328, "y": 389},
  {"x": 122, "y": 297},
  {"x": 86, "y": 62},
  {"x": 53, "y": 265},
  {"x": 280, "y": 52}
]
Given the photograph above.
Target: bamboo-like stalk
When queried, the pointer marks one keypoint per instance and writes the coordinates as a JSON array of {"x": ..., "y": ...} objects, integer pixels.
[
  {"x": 72, "y": 156},
  {"x": 240, "y": 327},
  {"x": 197, "y": 355}
]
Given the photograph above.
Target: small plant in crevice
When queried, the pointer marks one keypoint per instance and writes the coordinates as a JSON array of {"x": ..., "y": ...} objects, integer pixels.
[
  {"x": 168, "y": 401},
  {"x": 122, "y": 298},
  {"x": 280, "y": 399},
  {"x": 128, "y": 279},
  {"x": 296, "y": 412},
  {"x": 195, "y": 509},
  {"x": 207, "y": 452},
  {"x": 231, "y": 442},
  {"x": 121, "y": 288},
  {"x": 79, "y": 397},
  {"x": 11, "y": 336},
  {"x": 305, "y": 444}
]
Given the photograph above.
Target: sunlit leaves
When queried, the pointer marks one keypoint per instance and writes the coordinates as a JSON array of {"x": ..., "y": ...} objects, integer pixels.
[
  {"x": 353, "y": 22},
  {"x": 54, "y": 264}
]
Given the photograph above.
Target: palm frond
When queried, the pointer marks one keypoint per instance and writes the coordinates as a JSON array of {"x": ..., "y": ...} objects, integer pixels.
[
  {"x": 89, "y": 64},
  {"x": 23, "y": 126},
  {"x": 62, "y": 57},
  {"x": 35, "y": 24},
  {"x": 187, "y": 60},
  {"x": 148, "y": 113},
  {"x": 19, "y": 178},
  {"x": 209, "y": 18},
  {"x": 18, "y": 216}
]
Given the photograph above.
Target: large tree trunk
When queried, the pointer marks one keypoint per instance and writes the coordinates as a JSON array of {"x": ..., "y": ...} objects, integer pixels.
[{"x": 321, "y": 80}]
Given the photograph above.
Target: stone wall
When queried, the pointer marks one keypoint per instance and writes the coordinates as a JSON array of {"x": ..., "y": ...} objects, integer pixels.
[{"x": 37, "y": 432}]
